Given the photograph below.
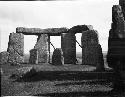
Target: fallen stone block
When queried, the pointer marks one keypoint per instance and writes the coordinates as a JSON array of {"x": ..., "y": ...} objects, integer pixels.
[{"x": 24, "y": 72}]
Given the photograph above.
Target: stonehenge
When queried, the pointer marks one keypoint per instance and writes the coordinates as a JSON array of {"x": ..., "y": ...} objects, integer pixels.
[{"x": 91, "y": 49}]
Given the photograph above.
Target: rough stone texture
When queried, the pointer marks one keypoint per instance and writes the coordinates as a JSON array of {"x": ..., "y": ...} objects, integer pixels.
[
  {"x": 116, "y": 46},
  {"x": 122, "y": 3},
  {"x": 4, "y": 57},
  {"x": 38, "y": 31},
  {"x": 116, "y": 41},
  {"x": 68, "y": 45},
  {"x": 118, "y": 25},
  {"x": 16, "y": 48},
  {"x": 80, "y": 28},
  {"x": 91, "y": 50},
  {"x": 24, "y": 72},
  {"x": 57, "y": 57},
  {"x": 100, "y": 64},
  {"x": 33, "y": 56},
  {"x": 42, "y": 48}
]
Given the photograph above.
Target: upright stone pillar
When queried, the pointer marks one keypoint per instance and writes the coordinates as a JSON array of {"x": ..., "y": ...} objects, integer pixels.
[
  {"x": 116, "y": 47},
  {"x": 68, "y": 45},
  {"x": 100, "y": 61},
  {"x": 91, "y": 49},
  {"x": 16, "y": 48},
  {"x": 33, "y": 56},
  {"x": 57, "y": 57},
  {"x": 89, "y": 41},
  {"x": 42, "y": 47}
]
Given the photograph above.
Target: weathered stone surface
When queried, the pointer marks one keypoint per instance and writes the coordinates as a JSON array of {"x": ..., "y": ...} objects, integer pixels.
[
  {"x": 24, "y": 72},
  {"x": 122, "y": 3},
  {"x": 118, "y": 25},
  {"x": 33, "y": 56},
  {"x": 116, "y": 46},
  {"x": 42, "y": 48},
  {"x": 16, "y": 48},
  {"x": 116, "y": 41},
  {"x": 100, "y": 64},
  {"x": 57, "y": 57},
  {"x": 4, "y": 57},
  {"x": 1, "y": 72},
  {"x": 68, "y": 45},
  {"x": 89, "y": 41},
  {"x": 80, "y": 28},
  {"x": 38, "y": 31}
]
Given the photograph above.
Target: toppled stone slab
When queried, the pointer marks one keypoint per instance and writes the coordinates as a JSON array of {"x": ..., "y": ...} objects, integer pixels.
[
  {"x": 57, "y": 57},
  {"x": 37, "y": 31},
  {"x": 33, "y": 56},
  {"x": 42, "y": 47},
  {"x": 16, "y": 48},
  {"x": 4, "y": 57},
  {"x": 24, "y": 72}
]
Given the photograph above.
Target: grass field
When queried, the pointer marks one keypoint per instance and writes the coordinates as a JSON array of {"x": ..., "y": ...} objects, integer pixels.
[{"x": 58, "y": 81}]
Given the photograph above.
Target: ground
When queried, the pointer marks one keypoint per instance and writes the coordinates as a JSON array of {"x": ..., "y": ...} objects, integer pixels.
[{"x": 68, "y": 81}]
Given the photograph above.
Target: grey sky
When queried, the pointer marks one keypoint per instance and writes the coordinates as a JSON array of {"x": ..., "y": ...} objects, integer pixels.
[{"x": 47, "y": 14}]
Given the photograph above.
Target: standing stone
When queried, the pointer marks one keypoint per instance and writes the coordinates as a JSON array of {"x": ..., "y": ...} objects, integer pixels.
[
  {"x": 91, "y": 50},
  {"x": 33, "y": 56},
  {"x": 89, "y": 41},
  {"x": 4, "y": 57},
  {"x": 68, "y": 45},
  {"x": 118, "y": 25},
  {"x": 57, "y": 57},
  {"x": 16, "y": 48},
  {"x": 42, "y": 47},
  {"x": 116, "y": 47},
  {"x": 116, "y": 41},
  {"x": 100, "y": 64}
]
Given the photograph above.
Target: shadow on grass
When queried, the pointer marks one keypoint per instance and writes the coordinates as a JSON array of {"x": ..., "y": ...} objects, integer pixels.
[
  {"x": 78, "y": 94},
  {"x": 65, "y": 75},
  {"x": 92, "y": 82}
]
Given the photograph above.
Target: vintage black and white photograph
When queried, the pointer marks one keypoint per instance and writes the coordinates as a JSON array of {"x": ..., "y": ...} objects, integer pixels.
[{"x": 62, "y": 48}]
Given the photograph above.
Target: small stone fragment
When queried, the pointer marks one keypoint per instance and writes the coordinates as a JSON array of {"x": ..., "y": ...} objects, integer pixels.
[
  {"x": 57, "y": 57},
  {"x": 33, "y": 56}
]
